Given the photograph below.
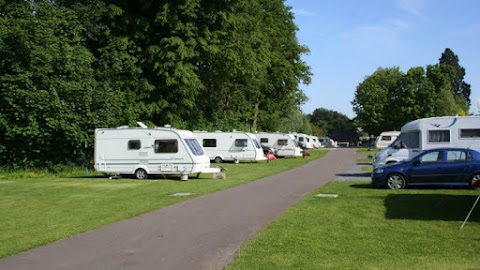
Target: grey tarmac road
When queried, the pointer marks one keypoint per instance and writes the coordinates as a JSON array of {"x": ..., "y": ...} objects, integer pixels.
[{"x": 202, "y": 233}]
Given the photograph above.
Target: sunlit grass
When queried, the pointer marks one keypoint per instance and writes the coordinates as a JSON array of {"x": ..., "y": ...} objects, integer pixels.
[
  {"x": 37, "y": 208},
  {"x": 366, "y": 228}
]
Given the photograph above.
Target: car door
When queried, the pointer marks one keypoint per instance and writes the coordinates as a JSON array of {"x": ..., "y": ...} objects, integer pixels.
[
  {"x": 458, "y": 165},
  {"x": 427, "y": 167}
]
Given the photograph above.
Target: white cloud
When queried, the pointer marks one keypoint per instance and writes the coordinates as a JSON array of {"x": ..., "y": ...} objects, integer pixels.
[
  {"x": 414, "y": 7},
  {"x": 386, "y": 36}
]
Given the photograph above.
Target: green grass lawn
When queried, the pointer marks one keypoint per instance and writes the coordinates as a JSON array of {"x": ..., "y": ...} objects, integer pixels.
[
  {"x": 38, "y": 208},
  {"x": 367, "y": 228}
]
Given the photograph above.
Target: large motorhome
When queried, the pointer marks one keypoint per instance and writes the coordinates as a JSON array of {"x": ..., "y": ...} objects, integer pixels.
[
  {"x": 143, "y": 151},
  {"x": 428, "y": 133},
  {"x": 386, "y": 138},
  {"x": 230, "y": 146},
  {"x": 285, "y": 144}
]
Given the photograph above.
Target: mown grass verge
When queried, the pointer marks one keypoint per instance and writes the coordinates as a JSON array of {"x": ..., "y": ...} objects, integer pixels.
[
  {"x": 38, "y": 208},
  {"x": 366, "y": 228}
]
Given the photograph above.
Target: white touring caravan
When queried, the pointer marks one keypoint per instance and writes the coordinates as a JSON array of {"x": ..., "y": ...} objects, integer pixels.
[
  {"x": 286, "y": 144},
  {"x": 230, "y": 146},
  {"x": 143, "y": 151},
  {"x": 428, "y": 133},
  {"x": 386, "y": 138},
  {"x": 314, "y": 141},
  {"x": 327, "y": 142},
  {"x": 303, "y": 139}
]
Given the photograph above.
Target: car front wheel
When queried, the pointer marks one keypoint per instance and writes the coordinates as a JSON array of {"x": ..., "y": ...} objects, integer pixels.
[
  {"x": 475, "y": 181},
  {"x": 396, "y": 181}
]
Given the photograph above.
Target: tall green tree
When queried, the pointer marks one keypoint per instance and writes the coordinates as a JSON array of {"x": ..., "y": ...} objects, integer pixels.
[
  {"x": 70, "y": 66},
  {"x": 374, "y": 102},
  {"x": 450, "y": 65},
  {"x": 444, "y": 103},
  {"x": 46, "y": 85},
  {"x": 331, "y": 121},
  {"x": 414, "y": 98}
]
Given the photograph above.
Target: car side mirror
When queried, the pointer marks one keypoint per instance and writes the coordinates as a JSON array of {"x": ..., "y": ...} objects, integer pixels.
[{"x": 417, "y": 162}]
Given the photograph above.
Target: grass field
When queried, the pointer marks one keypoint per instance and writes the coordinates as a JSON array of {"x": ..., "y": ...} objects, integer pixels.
[
  {"x": 38, "y": 208},
  {"x": 367, "y": 228}
]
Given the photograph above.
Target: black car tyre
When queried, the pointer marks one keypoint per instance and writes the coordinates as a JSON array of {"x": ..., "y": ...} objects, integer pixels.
[
  {"x": 475, "y": 181},
  {"x": 395, "y": 181},
  {"x": 141, "y": 174},
  {"x": 218, "y": 160}
]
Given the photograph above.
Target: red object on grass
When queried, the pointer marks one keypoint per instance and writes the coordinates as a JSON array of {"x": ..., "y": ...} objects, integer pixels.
[{"x": 271, "y": 156}]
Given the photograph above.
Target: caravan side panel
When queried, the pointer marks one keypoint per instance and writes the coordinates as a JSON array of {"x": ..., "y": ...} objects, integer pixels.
[
  {"x": 124, "y": 151},
  {"x": 229, "y": 146}
]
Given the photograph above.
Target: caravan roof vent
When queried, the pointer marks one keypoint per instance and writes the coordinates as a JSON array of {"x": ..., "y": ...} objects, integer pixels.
[
  {"x": 142, "y": 125},
  {"x": 122, "y": 127}
]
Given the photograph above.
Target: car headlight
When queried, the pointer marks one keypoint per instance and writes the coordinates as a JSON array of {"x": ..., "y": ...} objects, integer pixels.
[{"x": 378, "y": 171}]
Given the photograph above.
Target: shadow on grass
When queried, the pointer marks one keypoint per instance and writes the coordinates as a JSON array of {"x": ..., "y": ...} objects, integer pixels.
[
  {"x": 363, "y": 186},
  {"x": 431, "y": 207}
]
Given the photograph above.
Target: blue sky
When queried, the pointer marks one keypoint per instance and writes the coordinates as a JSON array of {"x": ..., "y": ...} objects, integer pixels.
[{"x": 350, "y": 39}]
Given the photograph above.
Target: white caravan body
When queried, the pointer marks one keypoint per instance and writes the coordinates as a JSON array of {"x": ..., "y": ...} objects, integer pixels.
[
  {"x": 143, "y": 151},
  {"x": 433, "y": 132},
  {"x": 386, "y": 138},
  {"x": 230, "y": 146},
  {"x": 286, "y": 144},
  {"x": 327, "y": 142},
  {"x": 303, "y": 138},
  {"x": 314, "y": 141}
]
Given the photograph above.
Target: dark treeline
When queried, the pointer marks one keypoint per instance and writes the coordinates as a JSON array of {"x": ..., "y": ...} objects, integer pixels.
[{"x": 68, "y": 67}]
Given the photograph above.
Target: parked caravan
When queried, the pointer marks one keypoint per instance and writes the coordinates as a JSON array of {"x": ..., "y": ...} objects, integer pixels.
[
  {"x": 386, "y": 138},
  {"x": 303, "y": 139},
  {"x": 144, "y": 151},
  {"x": 230, "y": 146},
  {"x": 314, "y": 141},
  {"x": 285, "y": 144},
  {"x": 433, "y": 132},
  {"x": 327, "y": 142}
]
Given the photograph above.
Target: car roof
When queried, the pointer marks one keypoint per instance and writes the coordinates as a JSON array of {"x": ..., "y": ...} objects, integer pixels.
[{"x": 451, "y": 149}]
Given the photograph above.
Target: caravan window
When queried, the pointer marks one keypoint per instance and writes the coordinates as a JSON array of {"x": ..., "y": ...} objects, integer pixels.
[
  {"x": 195, "y": 147},
  {"x": 469, "y": 133},
  {"x": 282, "y": 142},
  {"x": 439, "y": 136},
  {"x": 166, "y": 146},
  {"x": 386, "y": 138},
  {"x": 134, "y": 145},
  {"x": 241, "y": 143},
  {"x": 209, "y": 143},
  {"x": 263, "y": 140}
]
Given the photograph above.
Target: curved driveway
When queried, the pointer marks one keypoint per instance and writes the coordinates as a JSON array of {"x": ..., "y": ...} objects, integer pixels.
[{"x": 202, "y": 233}]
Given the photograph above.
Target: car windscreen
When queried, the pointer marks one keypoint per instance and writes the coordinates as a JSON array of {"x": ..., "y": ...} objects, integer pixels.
[{"x": 407, "y": 140}]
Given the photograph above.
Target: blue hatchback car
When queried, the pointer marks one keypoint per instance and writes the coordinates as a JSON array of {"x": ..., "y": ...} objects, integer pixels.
[{"x": 441, "y": 166}]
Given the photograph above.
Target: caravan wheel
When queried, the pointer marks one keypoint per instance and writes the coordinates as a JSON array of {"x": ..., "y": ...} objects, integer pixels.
[
  {"x": 218, "y": 160},
  {"x": 141, "y": 174}
]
